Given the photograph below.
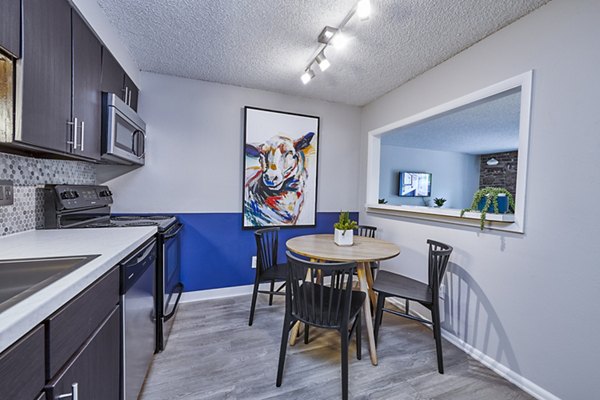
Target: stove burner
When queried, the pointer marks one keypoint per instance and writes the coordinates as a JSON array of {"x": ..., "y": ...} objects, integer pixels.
[
  {"x": 140, "y": 217},
  {"x": 141, "y": 223},
  {"x": 101, "y": 225},
  {"x": 127, "y": 218}
]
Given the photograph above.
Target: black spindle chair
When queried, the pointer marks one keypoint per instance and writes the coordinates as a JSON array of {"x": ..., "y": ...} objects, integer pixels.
[
  {"x": 267, "y": 269},
  {"x": 310, "y": 301},
  {"x": 389, "y": 284},
  {"x": 368, "y": 231}
]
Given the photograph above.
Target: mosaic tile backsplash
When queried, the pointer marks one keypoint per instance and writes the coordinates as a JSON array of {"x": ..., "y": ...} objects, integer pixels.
[{"x": 29, "y": 175}]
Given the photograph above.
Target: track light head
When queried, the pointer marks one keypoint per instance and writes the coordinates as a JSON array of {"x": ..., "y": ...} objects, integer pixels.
[
  {"x": 363, "y": 9},
  {"x": 322, "y": 61},
  {"x": 307, "y": 76}
]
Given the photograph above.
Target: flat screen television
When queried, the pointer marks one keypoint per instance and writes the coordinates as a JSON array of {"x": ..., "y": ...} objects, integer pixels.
[{"x": 415, "y": 184}]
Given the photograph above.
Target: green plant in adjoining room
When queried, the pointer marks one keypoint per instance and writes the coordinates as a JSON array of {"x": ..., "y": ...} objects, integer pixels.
[
  {"x": 439, "y": 201},
  {"x": 345, "y": 223},
  {"x": 490, "y": 194}
]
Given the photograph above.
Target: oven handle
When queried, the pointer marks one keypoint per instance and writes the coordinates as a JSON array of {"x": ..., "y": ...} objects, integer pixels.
[
  {"x": 173, "y": 234},
  {"x": 179, "y": 287}
]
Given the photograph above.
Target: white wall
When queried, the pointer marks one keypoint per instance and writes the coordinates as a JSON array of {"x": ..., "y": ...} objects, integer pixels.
[
  {"x": 195, "y": 142},
  {"x": 527, "y": 300},
  {"x": 454, "y": 176}
]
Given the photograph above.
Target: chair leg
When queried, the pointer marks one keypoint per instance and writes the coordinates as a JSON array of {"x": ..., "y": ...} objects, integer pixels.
[
  {"x": 358, "y": 334},
  {"x": 305, "y": 333},
  {"x": 344, "y": 346},
  {"x": 284, "y": 339},
  {"x": 378, "y": 315},
  {"x": 253, "y": 306},
  {"x": 271, "y": 294},
  {"x": 438, "y": 337}
]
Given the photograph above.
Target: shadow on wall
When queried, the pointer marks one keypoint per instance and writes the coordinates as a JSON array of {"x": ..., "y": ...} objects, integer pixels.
[{"x": 469, "y": 315}]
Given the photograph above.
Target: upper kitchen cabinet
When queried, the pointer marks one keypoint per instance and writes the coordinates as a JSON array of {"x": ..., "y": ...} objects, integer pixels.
[
  {"x": 45, "y": 120},
  {"x": 10, "y": 26},
  {"x": 61, "y": 76},
  {"x": 87, "y": 96},
  {"x": 115, "y": 80}
]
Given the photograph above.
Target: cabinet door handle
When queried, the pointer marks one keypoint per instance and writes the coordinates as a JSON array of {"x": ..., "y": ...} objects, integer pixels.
[
  {"x": 74, "y": 132},
  {"x": 74, "y": 395},
  {"x": 82, "y": 134}
]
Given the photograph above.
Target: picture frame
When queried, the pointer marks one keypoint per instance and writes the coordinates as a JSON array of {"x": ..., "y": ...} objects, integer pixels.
[{"x": 280, "y": 169}]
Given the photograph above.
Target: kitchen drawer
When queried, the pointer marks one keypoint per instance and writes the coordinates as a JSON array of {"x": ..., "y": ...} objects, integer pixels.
[
  {"x": 71, "y": 326},
  {"x": 22, "y": 367},
  {"x": 95, "y": 368}
]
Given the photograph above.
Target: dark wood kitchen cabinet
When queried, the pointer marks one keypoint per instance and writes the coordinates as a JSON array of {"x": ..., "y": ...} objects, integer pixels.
[
  {"x": 115, "y": 80},
  {"x": 22, "y": 367},
  {"x": 10, "y": 26},
  {"x": 78, "y": 344},
  {"x": 94, "y": 371},
  {"x": 61, "y": 98},
  {"x": 46, "y": 75},
  {"x": 87, "y": 96}
]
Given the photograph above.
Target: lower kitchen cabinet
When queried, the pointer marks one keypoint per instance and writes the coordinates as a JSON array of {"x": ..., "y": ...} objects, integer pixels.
[
  {"x": 22, "y": 367},
  {"x": 93, "y": 373}
]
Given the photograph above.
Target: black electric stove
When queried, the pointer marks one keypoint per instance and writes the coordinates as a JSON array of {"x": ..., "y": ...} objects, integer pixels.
[{"x": 88, "y": 206}]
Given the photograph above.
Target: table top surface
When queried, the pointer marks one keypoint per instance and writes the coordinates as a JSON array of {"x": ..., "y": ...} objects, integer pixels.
[{"x": 322, "y": 247}]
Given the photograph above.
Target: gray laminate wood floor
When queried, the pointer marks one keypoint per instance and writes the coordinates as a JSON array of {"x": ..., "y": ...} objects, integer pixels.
[{"x": 213, "y": 354}]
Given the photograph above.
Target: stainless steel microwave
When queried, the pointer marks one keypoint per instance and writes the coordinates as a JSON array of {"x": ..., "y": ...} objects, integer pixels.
[{"x": 123, "y": 132}]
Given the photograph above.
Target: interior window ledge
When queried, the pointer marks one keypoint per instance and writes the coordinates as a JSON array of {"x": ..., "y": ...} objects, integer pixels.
[{"x": 504, "y": 222}]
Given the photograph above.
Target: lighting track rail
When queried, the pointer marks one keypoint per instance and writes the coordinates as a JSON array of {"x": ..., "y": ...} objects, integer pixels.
[{"x": 332, "y": 36}]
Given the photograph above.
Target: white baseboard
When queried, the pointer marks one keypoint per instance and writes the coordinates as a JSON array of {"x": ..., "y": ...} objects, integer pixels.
[
  {"x": 523, "y": 383},
  {"x": 210, "y": 294}
]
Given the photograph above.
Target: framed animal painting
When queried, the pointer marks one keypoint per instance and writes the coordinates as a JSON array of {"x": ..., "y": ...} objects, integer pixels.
[{"x": 280, "y": 168}]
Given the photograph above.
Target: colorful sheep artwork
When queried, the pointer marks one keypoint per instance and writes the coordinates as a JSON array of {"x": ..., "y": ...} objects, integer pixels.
[{"x": 280, "y": 169}]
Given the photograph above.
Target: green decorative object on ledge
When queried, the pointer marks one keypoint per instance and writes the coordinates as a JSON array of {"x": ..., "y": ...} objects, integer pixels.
[
  {"x": 486, "y": 200},
  {"x": 439, "y": 201}
]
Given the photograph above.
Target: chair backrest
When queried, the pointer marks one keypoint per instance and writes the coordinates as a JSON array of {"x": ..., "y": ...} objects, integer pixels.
[
  {"x": 267, "y": 240},
  {"x": 366, "y": 231},
  {"x": 310, "y": 300},
  {"x": 439, "y": 254}
]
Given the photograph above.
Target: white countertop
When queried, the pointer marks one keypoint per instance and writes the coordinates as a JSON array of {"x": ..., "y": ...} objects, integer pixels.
[{"x": 112, "y": 244}]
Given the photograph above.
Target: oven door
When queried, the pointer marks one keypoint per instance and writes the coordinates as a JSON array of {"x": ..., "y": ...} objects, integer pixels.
[
  {"x": 124, "y": 137},
  {"x": 171, "y": 278}
]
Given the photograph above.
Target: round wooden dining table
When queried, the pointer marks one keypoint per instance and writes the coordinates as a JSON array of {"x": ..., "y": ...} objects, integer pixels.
[{"x": 364, "y": 251}]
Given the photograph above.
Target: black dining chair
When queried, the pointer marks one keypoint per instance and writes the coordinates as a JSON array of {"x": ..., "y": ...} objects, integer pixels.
[
  {"x": 389, "y": 284},
  {"x": 267, "y": 268},
  {"x": 368, "y": 231},
  {"x": 311, "y": 301}
]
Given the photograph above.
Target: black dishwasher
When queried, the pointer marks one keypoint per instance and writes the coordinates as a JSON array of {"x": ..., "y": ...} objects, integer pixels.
[{"x": 138, "y": 290}]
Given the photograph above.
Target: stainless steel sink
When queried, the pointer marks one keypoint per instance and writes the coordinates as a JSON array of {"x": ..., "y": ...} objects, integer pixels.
[{"x": 23, "y": 277}]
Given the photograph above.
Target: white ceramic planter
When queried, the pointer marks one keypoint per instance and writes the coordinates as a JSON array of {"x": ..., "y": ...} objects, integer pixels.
[{"x": 343, "y": 238}]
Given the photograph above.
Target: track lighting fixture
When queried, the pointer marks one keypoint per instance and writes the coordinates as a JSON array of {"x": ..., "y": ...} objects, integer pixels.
[
  {"x": 333, "y": 36},
  {"x": 322, "y": 61},
  {"x": 363, "y": 9},
  {"x": 307, "y": 76}
]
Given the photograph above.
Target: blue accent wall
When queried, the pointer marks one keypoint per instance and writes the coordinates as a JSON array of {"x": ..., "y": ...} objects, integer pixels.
[{"x": 217, "y": 253}]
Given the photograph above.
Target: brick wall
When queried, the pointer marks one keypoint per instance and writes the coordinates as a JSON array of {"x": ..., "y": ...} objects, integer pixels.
[{"x": 502, "y": 175}]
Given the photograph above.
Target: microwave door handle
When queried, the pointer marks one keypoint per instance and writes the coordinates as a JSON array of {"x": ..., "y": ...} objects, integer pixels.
[{"x": 143, "y": 143}]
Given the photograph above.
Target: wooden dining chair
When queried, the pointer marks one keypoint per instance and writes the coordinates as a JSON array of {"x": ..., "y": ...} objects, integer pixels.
[
  {"x": 267, "y": 268},
  {"x": 330, "y": 307},
  {"x": 389, "y": 284}
]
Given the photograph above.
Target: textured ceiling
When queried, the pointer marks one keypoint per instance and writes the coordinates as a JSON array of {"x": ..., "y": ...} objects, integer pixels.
[
  {"x": 484, "y": 127},
  {"x": 266, "y": 44}
]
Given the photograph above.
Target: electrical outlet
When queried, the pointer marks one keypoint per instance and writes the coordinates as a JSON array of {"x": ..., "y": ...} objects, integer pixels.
[
  {"x": 254, "y": 262},
  {"x": 6, "y": 193}
]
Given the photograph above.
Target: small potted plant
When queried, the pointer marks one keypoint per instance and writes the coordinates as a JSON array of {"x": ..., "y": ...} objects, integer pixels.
[
  {"x": 344, "y": 230},
  {"x": 491, "y": 200},
  {"x": 439, "y": 202}
]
